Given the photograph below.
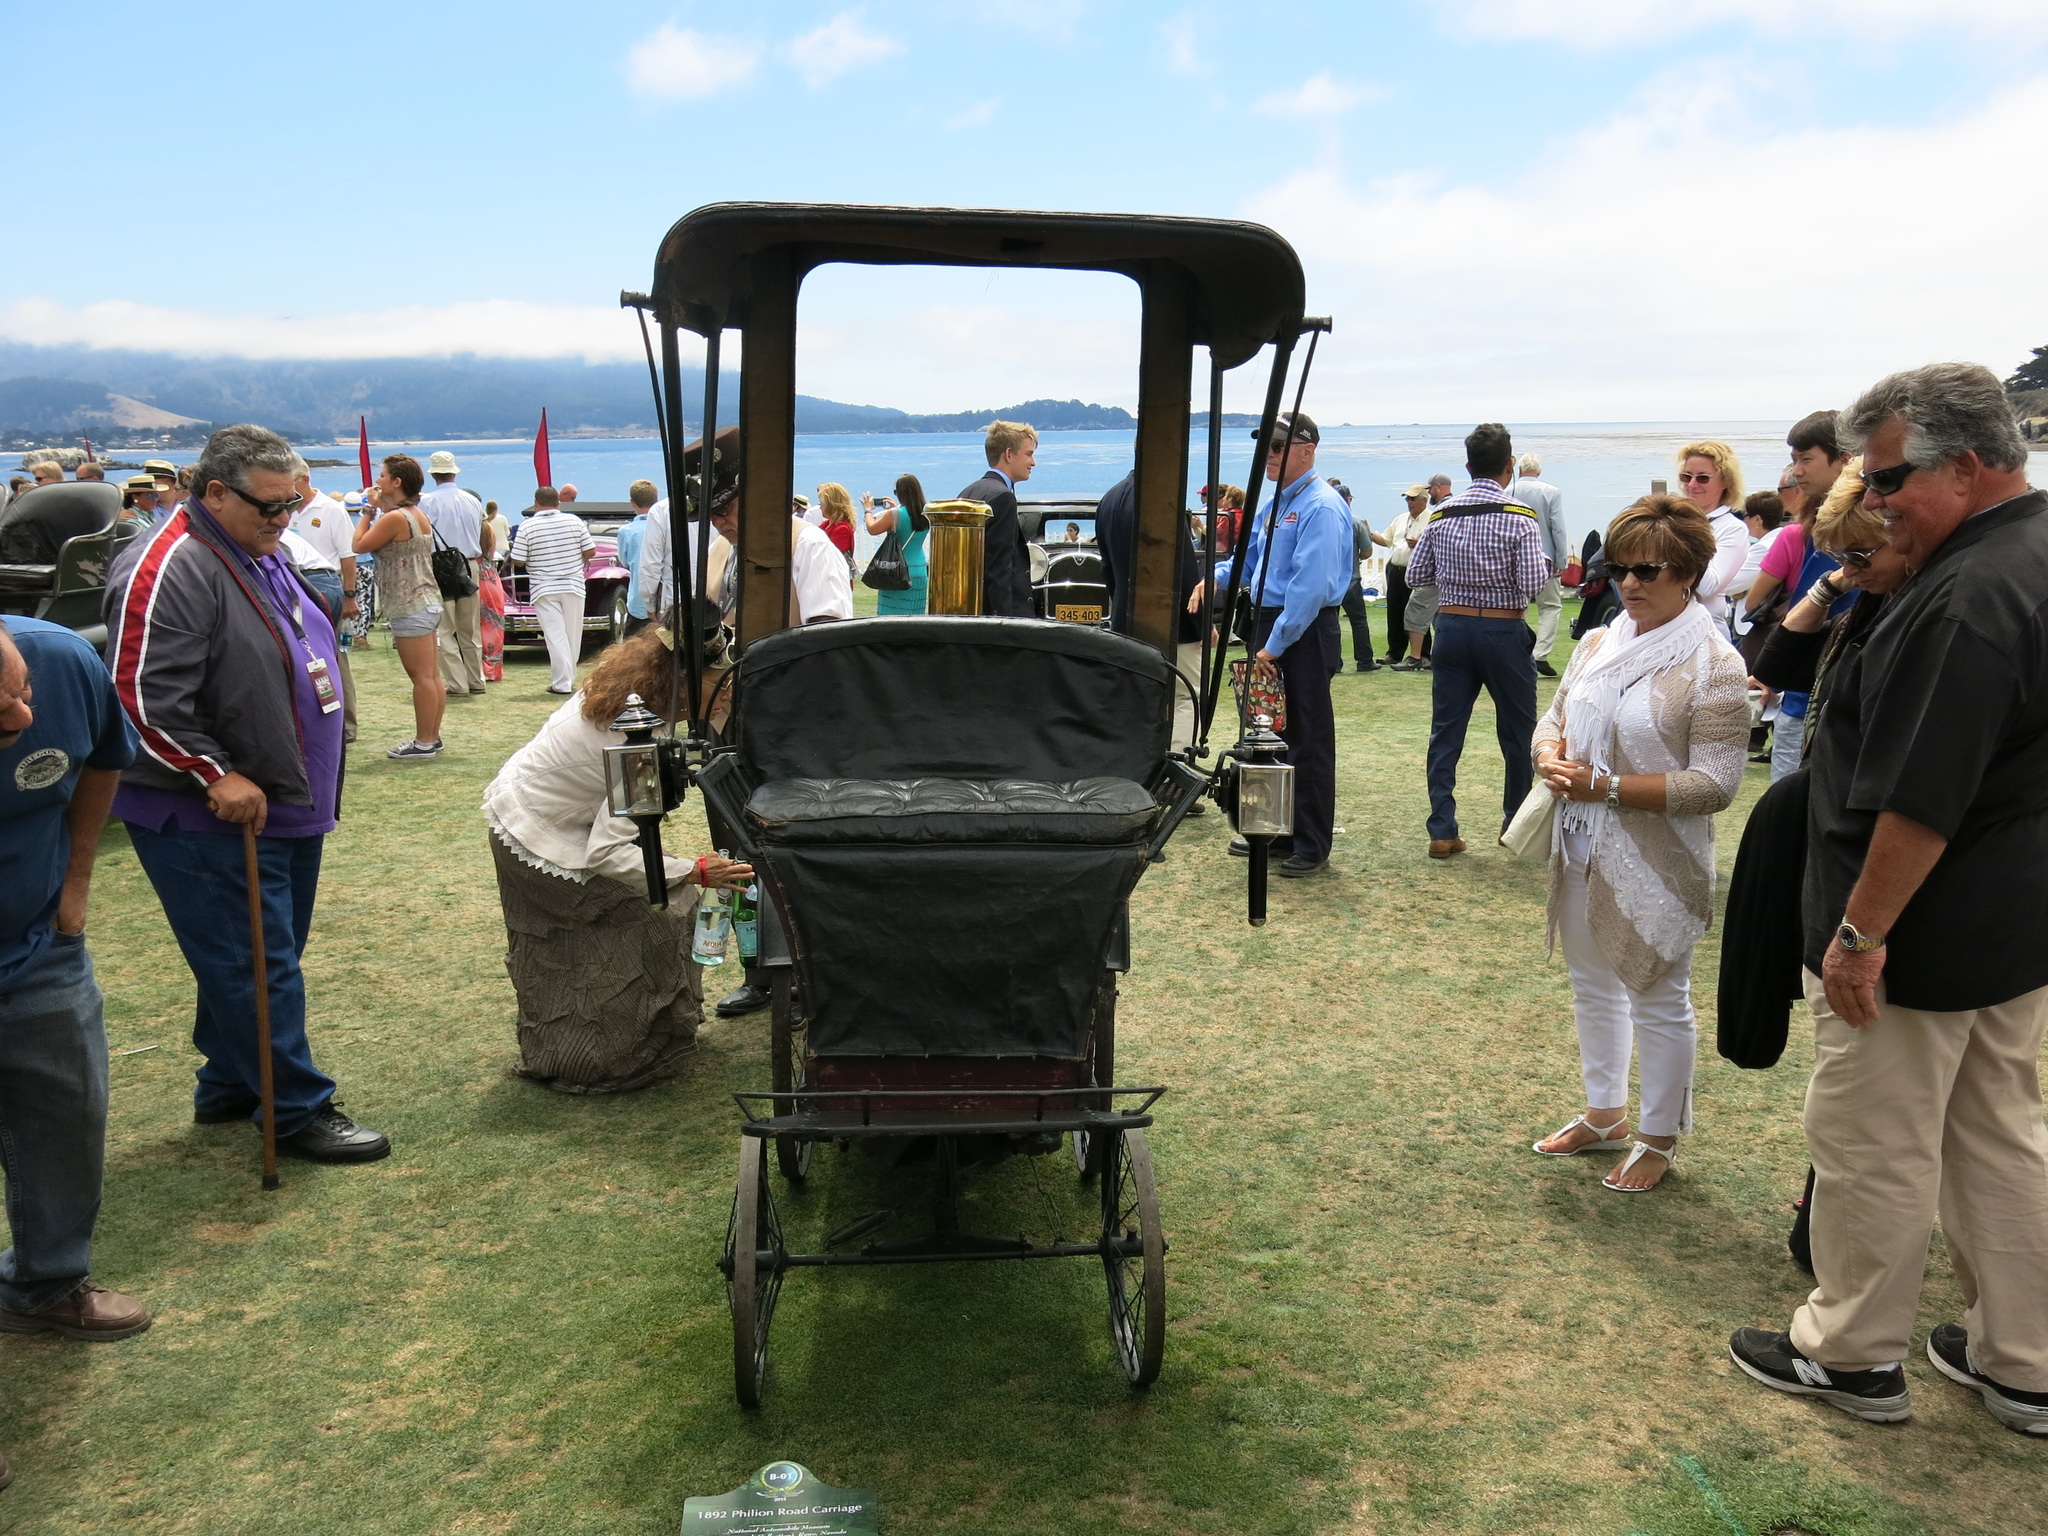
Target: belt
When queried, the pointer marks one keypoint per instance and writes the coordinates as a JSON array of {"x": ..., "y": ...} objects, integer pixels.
[{"x": 1483, "y": 613}]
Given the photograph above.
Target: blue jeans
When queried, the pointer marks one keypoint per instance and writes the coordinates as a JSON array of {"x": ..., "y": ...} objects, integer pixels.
[
  {"x": 203, "y": 885},
  {"x": 1474, "y": 653},
  {"x": 328, "y": 585},
  {"x": 53, "y": 1124}
]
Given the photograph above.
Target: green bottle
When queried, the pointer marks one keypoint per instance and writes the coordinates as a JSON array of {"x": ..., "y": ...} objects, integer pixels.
[{"x": 746, "y": 922}]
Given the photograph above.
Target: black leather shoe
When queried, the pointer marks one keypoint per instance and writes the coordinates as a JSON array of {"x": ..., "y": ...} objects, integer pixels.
[
  {"x": 1295, "y": 866},
  {"x": 742, "y": 1000},
  {"x": 331, "y": 1137},
  {"x": 226, "y": 1113},
  {"x": 1545, "y": 669}
]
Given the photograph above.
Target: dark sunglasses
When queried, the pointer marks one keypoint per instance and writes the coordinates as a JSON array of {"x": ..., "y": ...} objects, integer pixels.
[
  {"x": 1859, "y": 558},
  {"x": 1645, "y": 573},
  {"x": 1890, "y": 480},
  {"x": 1686, "y": 479},
  {"x": 269, "y": 509}
]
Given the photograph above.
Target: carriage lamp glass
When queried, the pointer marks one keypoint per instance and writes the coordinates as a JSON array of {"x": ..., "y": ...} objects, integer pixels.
[
  {"x": 1265, "y": 799},
  {"x": 632, "y": 772}
]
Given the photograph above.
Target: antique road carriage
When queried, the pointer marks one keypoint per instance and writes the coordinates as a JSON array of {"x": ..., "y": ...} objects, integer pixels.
[{"x": 991, "y": 787}]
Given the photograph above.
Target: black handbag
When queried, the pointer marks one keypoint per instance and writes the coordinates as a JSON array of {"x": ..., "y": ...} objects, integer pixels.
[
  {"x": 888, "y": 571},
  {"x": 452, "y": 572}
]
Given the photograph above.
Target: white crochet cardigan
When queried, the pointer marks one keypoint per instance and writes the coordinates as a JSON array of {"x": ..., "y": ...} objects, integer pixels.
[{"x": 1650, "y": 882}]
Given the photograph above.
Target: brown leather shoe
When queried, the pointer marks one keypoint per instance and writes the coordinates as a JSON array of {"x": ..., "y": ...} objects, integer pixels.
[
  {"x": 92, "y": 1312},
  {"x": 1444, "y": 847}
]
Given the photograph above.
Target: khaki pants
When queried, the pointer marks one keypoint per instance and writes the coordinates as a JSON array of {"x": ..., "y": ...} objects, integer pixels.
[
  {"x": 461, "y": 644},
  {"x": 1187, "y": 659},
  {"x": 348, "y": 698},
  {"x": 1919, "y": 1113},
  {"x": 1549, "y": 607}
]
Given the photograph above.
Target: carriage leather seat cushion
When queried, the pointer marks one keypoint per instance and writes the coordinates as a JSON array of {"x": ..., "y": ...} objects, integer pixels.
[{"x": 934, "y": 810}]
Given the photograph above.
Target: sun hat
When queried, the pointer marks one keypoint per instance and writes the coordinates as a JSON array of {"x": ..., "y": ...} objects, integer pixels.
[{"x": 443, "y": 463}]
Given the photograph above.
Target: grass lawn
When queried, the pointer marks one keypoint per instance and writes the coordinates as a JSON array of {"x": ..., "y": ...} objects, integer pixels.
[{"x": 1386, "y": 1314}]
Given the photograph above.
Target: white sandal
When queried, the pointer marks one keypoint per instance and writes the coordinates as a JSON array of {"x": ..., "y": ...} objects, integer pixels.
[
  {"x": 1637, "y": 1149},
  {"x": 1606, "y": 1143}
]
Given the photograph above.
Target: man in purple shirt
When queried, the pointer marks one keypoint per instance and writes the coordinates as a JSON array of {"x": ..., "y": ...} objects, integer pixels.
[{"x": 226, "y": 663}]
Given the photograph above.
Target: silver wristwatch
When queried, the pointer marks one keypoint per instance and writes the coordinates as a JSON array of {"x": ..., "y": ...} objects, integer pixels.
[{"x": 1857, "y": 942}]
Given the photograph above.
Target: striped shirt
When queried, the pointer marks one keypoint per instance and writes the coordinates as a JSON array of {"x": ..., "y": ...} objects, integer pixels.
[
  {"x": 1488, "y": 557},
  {"x": 553, "y": 545}
]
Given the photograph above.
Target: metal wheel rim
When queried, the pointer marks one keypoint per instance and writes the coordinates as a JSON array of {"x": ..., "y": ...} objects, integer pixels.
[
  {"x": 1137, "y": 1283},
  {"x": 787, "y": 1034},
  {"x": 751, "y": 1293}
]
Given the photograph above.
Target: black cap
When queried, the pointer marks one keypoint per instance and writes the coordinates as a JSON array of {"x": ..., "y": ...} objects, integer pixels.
[{"x": 1304, "y": 429}]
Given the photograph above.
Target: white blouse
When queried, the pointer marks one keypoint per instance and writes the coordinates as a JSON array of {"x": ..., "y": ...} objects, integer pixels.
[{"x": 550, "y": 806}]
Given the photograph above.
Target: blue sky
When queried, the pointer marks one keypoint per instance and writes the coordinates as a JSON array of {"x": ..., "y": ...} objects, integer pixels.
[{"x": 1533, "y": 209}]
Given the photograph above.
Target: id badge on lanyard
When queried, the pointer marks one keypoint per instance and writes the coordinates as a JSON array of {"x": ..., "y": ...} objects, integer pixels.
[{"x": 323, "y": 685}]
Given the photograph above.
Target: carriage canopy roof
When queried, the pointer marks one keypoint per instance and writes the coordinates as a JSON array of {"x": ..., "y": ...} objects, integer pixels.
[{"x": 1245, "y": 281}]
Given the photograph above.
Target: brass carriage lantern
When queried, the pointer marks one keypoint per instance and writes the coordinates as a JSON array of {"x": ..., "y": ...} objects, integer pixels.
[{"x": 633, "y": 780}]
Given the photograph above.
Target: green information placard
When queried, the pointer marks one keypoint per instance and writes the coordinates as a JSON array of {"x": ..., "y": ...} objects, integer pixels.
[{"x": 784, "y": 1499}]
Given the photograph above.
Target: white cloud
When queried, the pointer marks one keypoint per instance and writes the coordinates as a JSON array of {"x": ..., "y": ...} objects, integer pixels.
[
  {"x": 673, "y": 64},
  {"x": 1600, "y": 23},
  {"x": 980, "y": 115},
  {"x": 1318, "y": 96},
  {"x": 838, "y": 47},
  {"x": 1646, "y": 269},
  {"x": 487, "y": 327},
  {"x": 1182, "y": 36}
]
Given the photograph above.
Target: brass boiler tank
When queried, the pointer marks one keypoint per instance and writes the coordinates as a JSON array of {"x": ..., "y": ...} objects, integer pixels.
[{"x": 954, "y": 559}]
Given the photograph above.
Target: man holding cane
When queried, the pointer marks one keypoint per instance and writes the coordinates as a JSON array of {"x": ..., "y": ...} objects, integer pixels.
[{"x": 227, "y": 665}]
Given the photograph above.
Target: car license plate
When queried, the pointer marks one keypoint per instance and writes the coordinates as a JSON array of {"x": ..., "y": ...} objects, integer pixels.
[{"x": 1077, "y": 613}]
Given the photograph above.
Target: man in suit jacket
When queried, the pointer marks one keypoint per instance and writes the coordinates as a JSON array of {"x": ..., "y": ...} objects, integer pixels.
[{"x": 1012, "y": 450}]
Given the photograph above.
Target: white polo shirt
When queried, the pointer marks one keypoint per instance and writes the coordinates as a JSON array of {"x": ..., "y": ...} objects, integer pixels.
[{"x": 324, "y": 523}]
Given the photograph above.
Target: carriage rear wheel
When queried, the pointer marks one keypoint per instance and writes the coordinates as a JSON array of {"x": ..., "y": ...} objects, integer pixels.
[
  {"x": 1101, "y": 1072},
  {"x": 786, "y": 1047},
  {"x": 754, "y": 1254},
  {"x": 1133, "y": 1255}
]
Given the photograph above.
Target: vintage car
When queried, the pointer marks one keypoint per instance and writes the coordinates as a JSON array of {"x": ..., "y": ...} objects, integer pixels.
[
  {"x": 605, "y": 580},
  {"x": 1066, "y": 565}
]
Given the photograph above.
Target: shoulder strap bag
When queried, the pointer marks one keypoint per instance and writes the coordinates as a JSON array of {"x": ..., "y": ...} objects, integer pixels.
[
  {"x": 451, "y": 568},
  {"x": 889, "y": 570}
]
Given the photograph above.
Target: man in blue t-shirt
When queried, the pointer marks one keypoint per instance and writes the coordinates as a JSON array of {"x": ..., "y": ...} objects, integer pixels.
[{"x": 63, "y": 743}]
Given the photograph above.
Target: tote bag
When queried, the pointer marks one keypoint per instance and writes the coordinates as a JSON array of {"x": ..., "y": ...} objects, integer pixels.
[{"x": 888, "y": 571}]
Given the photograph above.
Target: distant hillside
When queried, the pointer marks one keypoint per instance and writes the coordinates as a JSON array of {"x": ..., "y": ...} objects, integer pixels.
[{"x": 59, "y": 391}]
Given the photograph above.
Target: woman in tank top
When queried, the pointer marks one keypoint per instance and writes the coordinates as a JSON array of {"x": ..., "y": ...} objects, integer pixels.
[{"x": 408, "y": 597}]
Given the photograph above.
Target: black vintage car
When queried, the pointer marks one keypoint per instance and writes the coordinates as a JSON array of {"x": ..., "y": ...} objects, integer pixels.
[{"x": 1066, "y": 564}]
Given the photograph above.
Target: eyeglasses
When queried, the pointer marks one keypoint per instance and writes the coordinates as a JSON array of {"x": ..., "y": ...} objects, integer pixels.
[
  {"x": 1889, "y": 480},
  {"x": 269, "y": 509},
  {"x": 1689, "y": 479},
  {"x": 1859, "y": 558},
  {"x": 1645, "y": 573}
]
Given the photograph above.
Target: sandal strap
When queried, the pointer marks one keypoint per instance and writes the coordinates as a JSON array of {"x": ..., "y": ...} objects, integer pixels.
[
  {"x": 1637, "y": 1148},
  {"x": 1604, "y": 1132}
]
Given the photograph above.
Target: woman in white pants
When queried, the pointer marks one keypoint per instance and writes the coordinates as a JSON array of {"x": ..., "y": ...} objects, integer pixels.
[{"x": 1645, "y": 740}]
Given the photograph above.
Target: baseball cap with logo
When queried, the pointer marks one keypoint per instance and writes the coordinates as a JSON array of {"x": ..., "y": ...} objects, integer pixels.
[
  {"x": 1304, "y": 429},
  {"x": 443, "y": 463}
]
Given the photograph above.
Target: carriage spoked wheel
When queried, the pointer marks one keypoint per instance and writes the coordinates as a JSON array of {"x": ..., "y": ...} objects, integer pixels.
[
  {"x": 1133, "y": 1255},
  {"x": 1101, "y": 1072},
  {"x": 753, "y": 1266},
  {"x": 786, "y": 1047}
]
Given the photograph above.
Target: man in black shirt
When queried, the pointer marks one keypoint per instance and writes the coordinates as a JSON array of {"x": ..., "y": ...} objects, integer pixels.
[{"x": 1926, "y": 902}]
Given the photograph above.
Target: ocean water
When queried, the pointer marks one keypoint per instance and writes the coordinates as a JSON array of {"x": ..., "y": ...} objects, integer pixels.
[{"x": 1599, "y": 467}]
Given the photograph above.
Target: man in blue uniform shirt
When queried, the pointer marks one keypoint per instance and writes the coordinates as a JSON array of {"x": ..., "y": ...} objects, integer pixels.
[
  {"x": 1296, "y": 585},
  {"x": 63, "y": 743}
]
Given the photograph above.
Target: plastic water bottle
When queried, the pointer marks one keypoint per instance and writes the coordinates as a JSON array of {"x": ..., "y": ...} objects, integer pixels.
[
  {"x": 713, "y": 934},
  {"x": 746, "y": 922}
]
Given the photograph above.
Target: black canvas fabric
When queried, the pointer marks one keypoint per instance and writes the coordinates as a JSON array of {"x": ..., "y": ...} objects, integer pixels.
[
  {"x": 36, "y": 523},
  {"x": 1097, "y": 810},
  {"x": 924, "y": 697},
  {"x": 952, "y": 951},
  {"x": 1760, "y": 934}
]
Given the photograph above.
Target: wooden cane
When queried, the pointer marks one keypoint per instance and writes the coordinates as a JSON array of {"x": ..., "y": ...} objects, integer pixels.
[{"x": 266, "y": 1085}]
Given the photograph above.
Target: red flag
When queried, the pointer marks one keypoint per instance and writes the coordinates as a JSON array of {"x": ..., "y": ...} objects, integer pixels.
[
  {"x": 88, "y": 449},
  {"x": 363, "y": 449},
  {"x": 543, "y": 470}
]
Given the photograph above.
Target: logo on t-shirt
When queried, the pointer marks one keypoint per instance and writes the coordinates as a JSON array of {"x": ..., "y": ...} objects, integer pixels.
[{"x": 39, "y": 770}]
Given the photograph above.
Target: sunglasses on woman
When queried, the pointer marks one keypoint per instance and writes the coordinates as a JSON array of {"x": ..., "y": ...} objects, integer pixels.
[
  {"x": 1859, "y": 558},
  {"x": 1690, "y": 479},
  {"x": 1645, "y": 573}
]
